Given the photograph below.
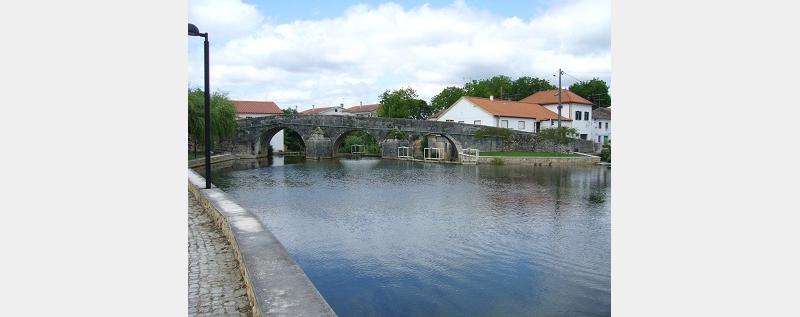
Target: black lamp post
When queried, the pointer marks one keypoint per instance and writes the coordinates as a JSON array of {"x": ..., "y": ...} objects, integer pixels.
[{"x": 194, "y": 31}]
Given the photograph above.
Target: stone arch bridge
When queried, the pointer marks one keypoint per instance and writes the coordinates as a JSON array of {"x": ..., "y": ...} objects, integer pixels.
[{"x": 322, "y": 135}]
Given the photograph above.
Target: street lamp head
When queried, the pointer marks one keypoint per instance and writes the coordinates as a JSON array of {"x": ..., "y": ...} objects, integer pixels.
[{"x": 193, "y": 30}]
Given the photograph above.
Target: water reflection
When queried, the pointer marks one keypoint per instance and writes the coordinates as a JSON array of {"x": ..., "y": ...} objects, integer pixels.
[{"x": 399, "y": 238}]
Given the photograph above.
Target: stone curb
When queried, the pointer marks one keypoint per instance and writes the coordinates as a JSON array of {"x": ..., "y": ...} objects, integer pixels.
[
  {"x": 214, "y": 159},
  {"x": 276, "y": 285}
]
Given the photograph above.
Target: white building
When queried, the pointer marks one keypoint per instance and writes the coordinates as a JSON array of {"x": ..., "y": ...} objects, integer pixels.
[
  {"x": 255, "y": 109},
  {"x": 335, "y": 110},
  {"x": 602, "y": 125},
  {"x": 500, "y": 113},
  {"x": 363, "y": 110},
  {"x": 574, "y": 107}
]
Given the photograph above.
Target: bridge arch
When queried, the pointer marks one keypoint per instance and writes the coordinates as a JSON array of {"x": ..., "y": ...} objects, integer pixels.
[
  {"x": 261, "y": 145},
  {"x": 450, "y": 144},
  {"x": 339, "y": 138}
]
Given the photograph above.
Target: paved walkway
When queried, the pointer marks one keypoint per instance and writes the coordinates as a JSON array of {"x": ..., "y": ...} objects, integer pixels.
[{"x": 216, "y": 287}]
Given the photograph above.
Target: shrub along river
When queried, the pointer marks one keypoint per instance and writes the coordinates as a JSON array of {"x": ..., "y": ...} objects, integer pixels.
[{"x": 399, "y": 238}]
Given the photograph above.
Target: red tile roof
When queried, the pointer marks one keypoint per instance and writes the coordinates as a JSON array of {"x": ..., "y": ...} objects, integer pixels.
[
  {"x": 507, "y": 108},
  {"x": 364, "y": 108},
  {"x": 316, "y": 110},
  {"x": 256, "y": 107},
  {"x": 549, "y": 97}
]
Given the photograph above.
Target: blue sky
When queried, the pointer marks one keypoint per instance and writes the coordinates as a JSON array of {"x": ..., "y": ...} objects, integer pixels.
[
  {"x": 288, "y": 11},
  {"x": 304, "y": 53}
]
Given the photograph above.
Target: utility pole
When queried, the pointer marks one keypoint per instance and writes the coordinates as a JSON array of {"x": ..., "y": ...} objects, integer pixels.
[{"x": 560, "y": 72}]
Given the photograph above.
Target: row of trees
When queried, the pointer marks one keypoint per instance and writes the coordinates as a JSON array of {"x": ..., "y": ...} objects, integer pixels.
[
  {"x": 405, "y": 103},
  {"x": 223, "y": 117}
]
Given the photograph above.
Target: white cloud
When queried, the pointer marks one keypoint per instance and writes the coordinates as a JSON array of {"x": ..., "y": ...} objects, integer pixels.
[
  {"x": 356, "y": 56},
  {"x": 224, "y": 19}
]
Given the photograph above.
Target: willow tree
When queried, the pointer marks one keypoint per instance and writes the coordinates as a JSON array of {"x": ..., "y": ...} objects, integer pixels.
[{"x": 223, "y": 117}]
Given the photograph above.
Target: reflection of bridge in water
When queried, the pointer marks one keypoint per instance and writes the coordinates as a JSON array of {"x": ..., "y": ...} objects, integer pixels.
[{"x": 324, "y": 134}]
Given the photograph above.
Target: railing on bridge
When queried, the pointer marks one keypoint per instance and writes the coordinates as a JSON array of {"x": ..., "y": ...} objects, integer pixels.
[
  {"x": 357, "y": 149},
  {"x": 404, "y": 152},
  {"x": 433, "y": 153},
  {"x": 470, "y": 156}
]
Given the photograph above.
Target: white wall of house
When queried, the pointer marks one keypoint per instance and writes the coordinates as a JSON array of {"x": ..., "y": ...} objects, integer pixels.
[
  {"x": 465, "y": 111},
  {"x": 554, "y": 124},
  {"x": 277, "y": 142},
  {"x": 528, "y": 124},
  {"x": 584, "y": 125},
  {"x": 602, "y": 129},
  {"x": 338, "y": 111}
]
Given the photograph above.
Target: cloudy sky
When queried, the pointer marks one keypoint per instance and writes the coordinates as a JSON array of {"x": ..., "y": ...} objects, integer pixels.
[{"x": 303, "y": 53}]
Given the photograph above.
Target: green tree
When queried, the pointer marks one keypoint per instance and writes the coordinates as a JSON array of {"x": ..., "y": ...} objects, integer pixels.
[
  {"x": 289, "y": 111},
  {"x": 403, "y": 103},
  {"x": 503, "y": 87},
  {"x": 223, "y": 117},
  {"x": 292, "y": 141},
  {"x": 525, "y": 86},
  {"x": 446, "y": 98},
  {"x": 497, "y": 86},
  {"x": 594, "y": 90},
  {"x": 359, "y": 138}
]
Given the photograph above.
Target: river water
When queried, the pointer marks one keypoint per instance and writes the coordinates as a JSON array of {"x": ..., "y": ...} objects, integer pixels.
[{"x": 398, "y": 238}]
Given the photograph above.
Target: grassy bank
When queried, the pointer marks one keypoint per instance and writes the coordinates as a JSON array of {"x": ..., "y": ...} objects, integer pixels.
[{"x": 529, "y": 153}]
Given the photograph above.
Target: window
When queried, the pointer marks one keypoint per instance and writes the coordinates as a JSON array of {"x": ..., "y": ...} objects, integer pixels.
[
  {"x": 605, "y": 139},
  {"x": 577, "y": 115},
  {"x": 504, "y": 123},
  {"x": 599, "y": 125},
  {"x": 586, "y": 115},
  {"x": 598, "y": 139},
  {"x": 552, "y": 123},
  {"x": 448, "y": 120},
  {"x": 606, "y": 125},
  {"x": 521, "y": 125},
  {"x": 477, "y": 122},
  {"x": 462, "y": 121},
  {"x": 583, "y": 136}
]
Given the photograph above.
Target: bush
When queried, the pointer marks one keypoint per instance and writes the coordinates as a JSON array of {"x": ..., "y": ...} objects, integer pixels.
[
  {"x": 560, "y": 135},
  {"x": 605, "y": 153},
  {"x": 359, "y": 138},
  {"x": 488, "y": 132}
]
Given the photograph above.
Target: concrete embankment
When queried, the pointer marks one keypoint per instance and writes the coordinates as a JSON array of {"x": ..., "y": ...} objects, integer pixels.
[{"x": 276, "y": 285}]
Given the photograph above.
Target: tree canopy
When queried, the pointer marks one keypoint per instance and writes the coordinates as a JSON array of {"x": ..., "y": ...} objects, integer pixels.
[
  {"x": 403, "y": 103},
  {"x": 223, "y": 116},
  {"x": 500, "y": 86},
  {"x": 447, "y": 97},
  {"x": 594, "y": 90}
]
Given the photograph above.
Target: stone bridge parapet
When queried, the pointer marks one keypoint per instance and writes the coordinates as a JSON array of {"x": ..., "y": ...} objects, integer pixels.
[{"x": 322, "y": 134}]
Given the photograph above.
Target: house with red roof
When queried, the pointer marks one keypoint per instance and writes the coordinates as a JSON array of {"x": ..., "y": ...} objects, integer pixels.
[
  {"x": 574, "y": 107},
  {"x": 363, "y": 110},
  {"x": 492, "y": 112},
  {"x": 334, "y": 110},
  {"x": 254, "y": 109}
]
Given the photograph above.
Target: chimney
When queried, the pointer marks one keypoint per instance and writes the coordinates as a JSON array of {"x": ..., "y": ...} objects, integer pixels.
[
  {"x": 491, "y": 97},
  {"x": 360, "y": 103},
  {"x": 313, "y": 106}
]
